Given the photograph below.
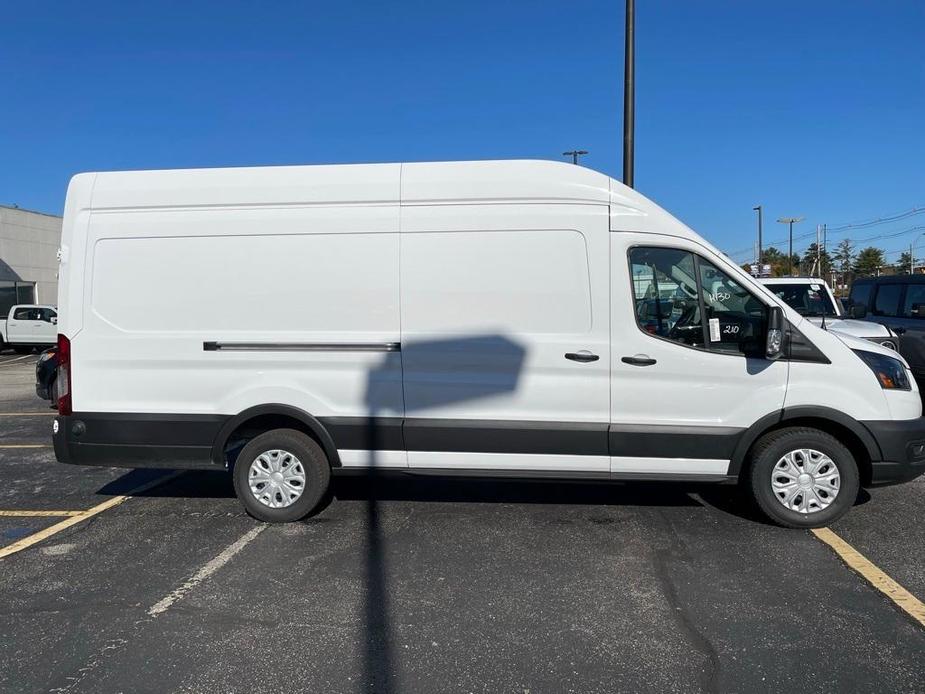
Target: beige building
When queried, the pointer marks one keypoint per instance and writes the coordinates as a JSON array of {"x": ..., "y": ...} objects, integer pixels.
[{"x": 29, "y": 244}]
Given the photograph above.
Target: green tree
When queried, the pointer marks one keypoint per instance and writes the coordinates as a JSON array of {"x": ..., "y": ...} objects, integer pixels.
[
  {"x": 902, "y": 266},
  {"x": 809, "y": 259},
  {"x": 844, "y": 256},
  {"x": 778, "y": 261},
  {"x": 869, "y": 261}
]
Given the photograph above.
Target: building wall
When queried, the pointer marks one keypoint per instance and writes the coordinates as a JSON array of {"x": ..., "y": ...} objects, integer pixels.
[{"x": 29, "y": 244}]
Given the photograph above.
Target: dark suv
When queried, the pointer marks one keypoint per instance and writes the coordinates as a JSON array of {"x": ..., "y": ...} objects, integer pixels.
[{"x": 898, "y": 302}]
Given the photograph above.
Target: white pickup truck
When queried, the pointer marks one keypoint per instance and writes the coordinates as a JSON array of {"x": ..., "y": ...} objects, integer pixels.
[
  {"x": 28, "y": 326},
  {"x": 812, "y": 299}
]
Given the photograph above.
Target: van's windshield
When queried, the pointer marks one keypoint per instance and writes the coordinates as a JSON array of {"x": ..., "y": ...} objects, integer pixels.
[{"x": 811, "y": 300}]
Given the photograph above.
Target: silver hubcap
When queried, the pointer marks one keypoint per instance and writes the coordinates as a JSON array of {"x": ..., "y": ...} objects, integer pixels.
[
  {"x": 276, "y": 478},
  {"x": 805, "y": 480}
]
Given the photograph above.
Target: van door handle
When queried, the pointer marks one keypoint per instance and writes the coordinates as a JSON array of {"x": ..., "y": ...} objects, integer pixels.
[
  {"x": 638, "y": 360},
  {"x": 582, "y": 356}
]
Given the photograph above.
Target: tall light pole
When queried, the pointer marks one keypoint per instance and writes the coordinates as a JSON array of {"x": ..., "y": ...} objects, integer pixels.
[
  {"x": 758, "y": 210},
  {"x": 574, "y": 154},
  {"x": 791, "y": 221},
  {"x": 629, "y": 92}
]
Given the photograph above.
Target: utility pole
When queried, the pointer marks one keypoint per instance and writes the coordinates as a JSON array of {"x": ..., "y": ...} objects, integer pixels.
[
  {"x": 574, "y": 154},
  {"x": 629, "y": 92},
  {"x": 819, "y": 248},
  {"x": 758, "y": 210},
  {"x": 791, "y": 221}
]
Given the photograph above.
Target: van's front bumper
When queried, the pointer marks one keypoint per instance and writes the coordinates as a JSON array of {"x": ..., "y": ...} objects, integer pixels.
[{"x": 902, "y": 448}]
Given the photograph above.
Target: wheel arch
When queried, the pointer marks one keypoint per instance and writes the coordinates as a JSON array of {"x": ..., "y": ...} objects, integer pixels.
[
  {"x": 846, "y": 429},
  {"x": 255, "y": 420}
]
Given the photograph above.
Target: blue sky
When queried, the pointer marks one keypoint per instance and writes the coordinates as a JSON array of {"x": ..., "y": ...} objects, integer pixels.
[{"x": 813, "y": 108}]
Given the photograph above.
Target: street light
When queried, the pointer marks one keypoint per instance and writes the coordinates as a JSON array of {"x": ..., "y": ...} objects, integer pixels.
[
  {"x": 758, "y": 210},
  {"x": 791, "y": 221},
  {"x": 574, "y": 154}
]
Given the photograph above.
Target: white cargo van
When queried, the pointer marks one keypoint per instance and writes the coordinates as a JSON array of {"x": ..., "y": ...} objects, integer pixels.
[{"x": 514, "y": 318}]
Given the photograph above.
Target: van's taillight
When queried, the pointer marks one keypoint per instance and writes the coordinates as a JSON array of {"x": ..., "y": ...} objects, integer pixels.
[{"x": 63, "y": 379}]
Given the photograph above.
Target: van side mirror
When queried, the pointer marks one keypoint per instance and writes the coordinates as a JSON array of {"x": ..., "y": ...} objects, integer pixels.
[
  {"x": 857, "y": 311},
  {"x": 774, "y": 344}
]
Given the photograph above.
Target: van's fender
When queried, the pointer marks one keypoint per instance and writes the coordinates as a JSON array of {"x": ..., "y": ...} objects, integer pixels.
[
  {"x": 274, "y": 409},
  {"x": 802, "y": 412}
]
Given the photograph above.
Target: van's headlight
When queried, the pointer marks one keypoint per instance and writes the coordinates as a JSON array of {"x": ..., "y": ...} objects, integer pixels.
[{"x": 889, "y": 371}]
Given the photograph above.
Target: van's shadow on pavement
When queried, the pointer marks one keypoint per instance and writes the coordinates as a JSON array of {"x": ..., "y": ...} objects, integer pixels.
[{"x": 389, "y": 485}]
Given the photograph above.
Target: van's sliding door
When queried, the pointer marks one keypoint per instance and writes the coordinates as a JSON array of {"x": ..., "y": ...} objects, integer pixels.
[{"x": 505, "y": 336}]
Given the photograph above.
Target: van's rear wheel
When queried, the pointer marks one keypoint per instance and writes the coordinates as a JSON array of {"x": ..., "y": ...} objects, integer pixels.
[
  {"x": 281, "y": 476},
  {"x": 802, "y": 477}
]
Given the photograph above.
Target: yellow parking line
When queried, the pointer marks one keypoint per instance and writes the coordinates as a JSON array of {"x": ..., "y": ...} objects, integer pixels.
[
  {"x": 905, "y": 600},
  {"x": 37, "y": 514},
  {"x": 35, "y": 538}
]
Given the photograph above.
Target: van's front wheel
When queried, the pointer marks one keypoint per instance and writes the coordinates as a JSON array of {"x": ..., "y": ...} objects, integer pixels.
[
  {"x": 802, "y": 477},
  {"x": 281, "y": 476}
]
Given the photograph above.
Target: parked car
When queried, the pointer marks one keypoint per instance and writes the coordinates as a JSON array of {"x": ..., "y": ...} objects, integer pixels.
[
  {"x": 46, "y": 372},
  {"x": 812, "y": 298},
  {"x": 454, "y": 318},
  {"x": 28, "y": 326},
  {"x": 897, "y": 302}
]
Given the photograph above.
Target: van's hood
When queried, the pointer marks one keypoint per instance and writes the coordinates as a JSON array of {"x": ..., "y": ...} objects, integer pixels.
[
  {"x": 850, "y": 326},
  {"x": 867, "y": 346}
]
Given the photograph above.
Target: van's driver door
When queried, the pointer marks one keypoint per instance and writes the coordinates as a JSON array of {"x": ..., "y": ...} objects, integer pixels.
[{"x": 688, "y": 371}]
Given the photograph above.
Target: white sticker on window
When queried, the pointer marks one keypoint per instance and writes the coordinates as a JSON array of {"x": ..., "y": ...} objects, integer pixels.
[
  {"x": 714, "y": 330},
  {"x": 815, "y": 287}
]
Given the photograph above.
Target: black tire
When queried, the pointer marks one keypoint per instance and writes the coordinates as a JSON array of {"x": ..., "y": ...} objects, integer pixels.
[
  {"x": 19, "y": 349},
  {"x": 770, "y": 448},
  {"x": 314, "y": 463}
]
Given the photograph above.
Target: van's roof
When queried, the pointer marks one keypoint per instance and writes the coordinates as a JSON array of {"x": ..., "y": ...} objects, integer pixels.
[{"x": 406, "y": 184}]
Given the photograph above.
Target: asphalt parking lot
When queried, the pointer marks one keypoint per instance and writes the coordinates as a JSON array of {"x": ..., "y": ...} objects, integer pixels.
[{"x": 407, "y": 584}]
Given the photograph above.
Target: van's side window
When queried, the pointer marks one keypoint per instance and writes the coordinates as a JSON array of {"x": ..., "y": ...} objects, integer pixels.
[
  {"x": 738, "y": 316},
  {"x": 887, "y": 301},
  {"x": 682, "y": 297},
  {"x": 665, "y": 292},
  {"x": 914, "y": 304}
]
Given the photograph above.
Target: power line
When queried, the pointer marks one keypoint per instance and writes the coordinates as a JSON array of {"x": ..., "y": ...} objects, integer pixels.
[
  {"x": 879, "y": 220},
  {"x": 841, "y": 228}
]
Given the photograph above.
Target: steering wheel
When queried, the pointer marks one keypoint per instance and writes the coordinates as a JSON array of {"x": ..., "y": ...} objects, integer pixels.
[{"x": 685, "y": 323}]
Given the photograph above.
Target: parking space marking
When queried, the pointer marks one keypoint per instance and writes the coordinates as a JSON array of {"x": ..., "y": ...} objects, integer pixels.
[
  {"x": 210, "y": 568},
  {"x": 25, "y": 445},
  {"x": 17, "y": 359},
  {"x": 905, "y": 600},
  {"x": 28, "y": 414},
  {"x": 35, "y": 538},
  {"x": 38, "y": 514}
]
